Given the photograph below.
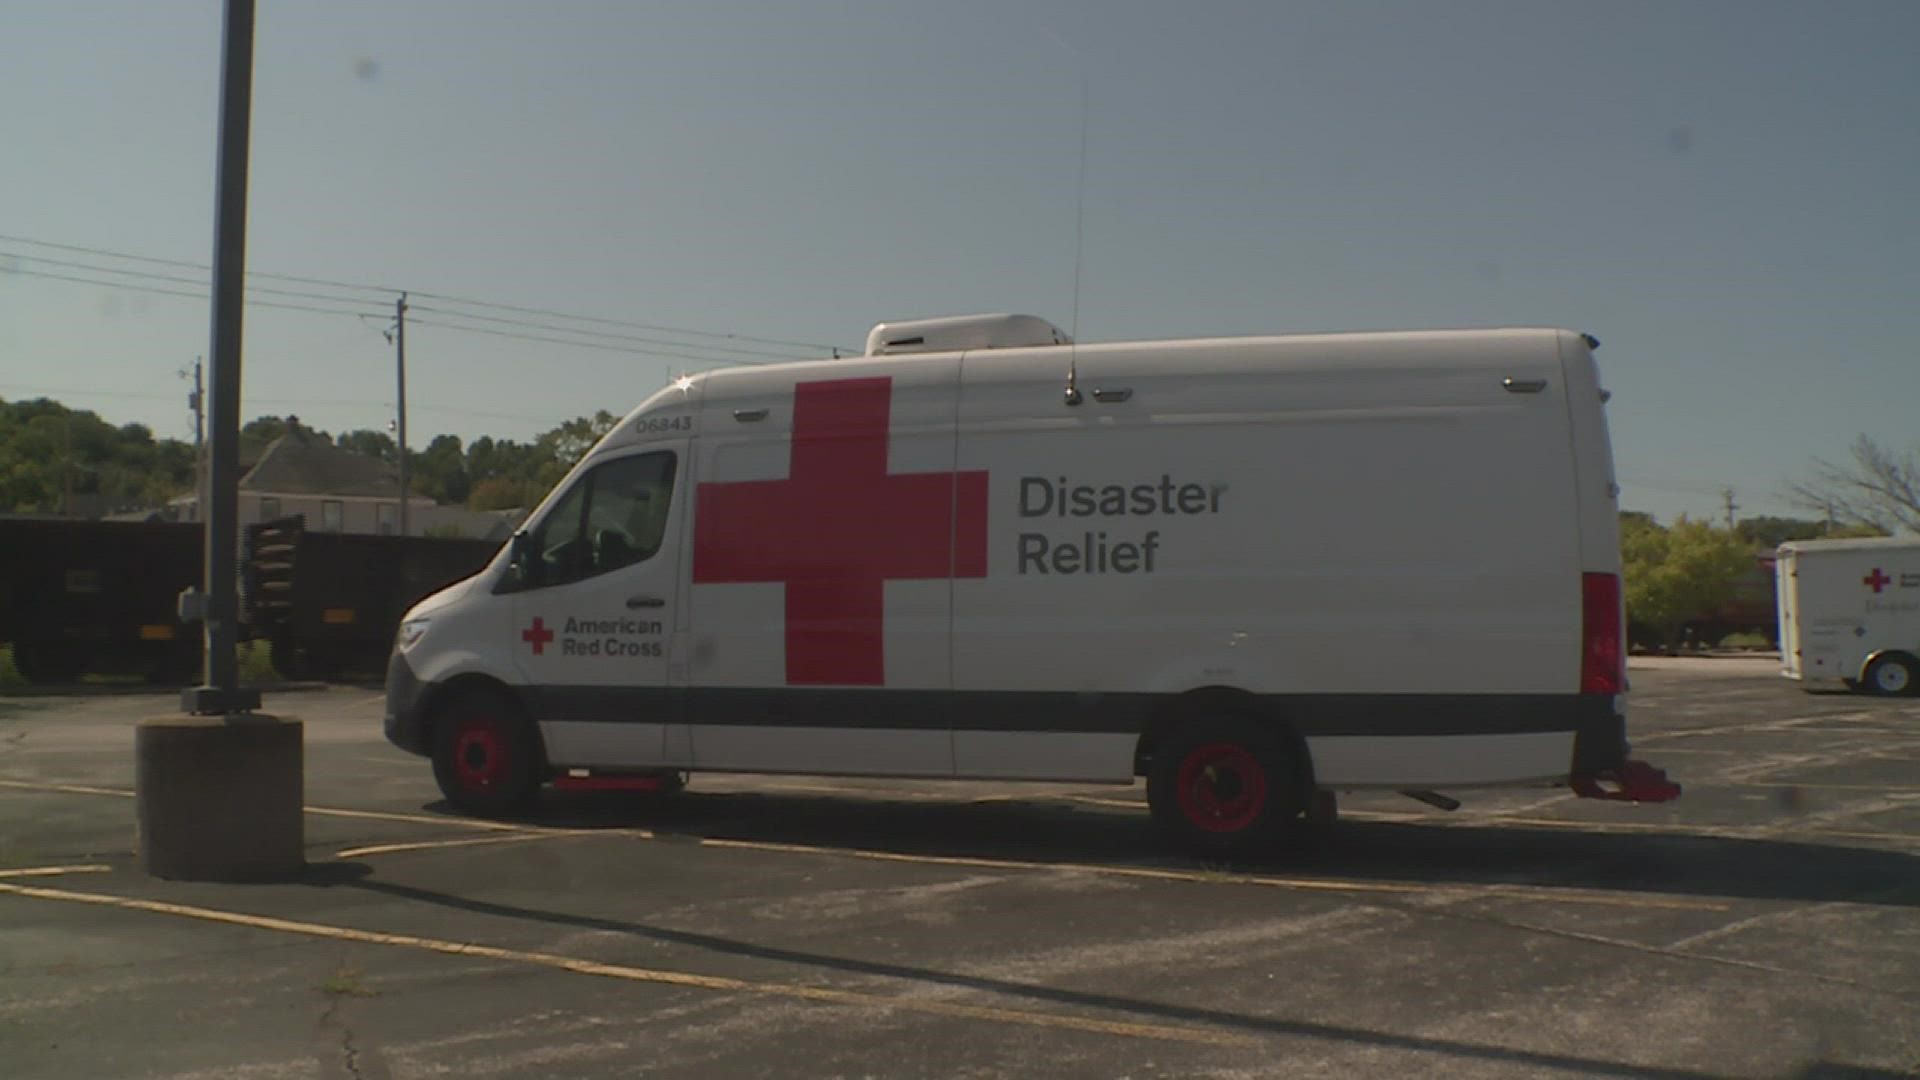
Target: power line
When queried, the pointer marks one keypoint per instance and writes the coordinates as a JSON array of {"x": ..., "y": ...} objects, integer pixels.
[
  {"x": 442, "y": 297},
  {"x": 201, "y": 282},
  {"x": 187, "y": 264},
  {"x": 720, "y": 349},
  {"x": 131, "y": 287},
  {"x": 336, "y": 403},
  {"x": 655, "y": 327},
  {"x": 591, "y": 344},
  {"x": 706, "y": 359}
]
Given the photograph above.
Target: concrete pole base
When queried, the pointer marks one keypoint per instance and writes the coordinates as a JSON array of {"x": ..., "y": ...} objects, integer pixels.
[{"x": 220, "y": 797}]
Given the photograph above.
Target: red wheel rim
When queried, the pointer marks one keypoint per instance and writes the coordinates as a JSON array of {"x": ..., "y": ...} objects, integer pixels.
[
  {"x": 479, "y": 752},
  {"x": 1222, "y": 787}
]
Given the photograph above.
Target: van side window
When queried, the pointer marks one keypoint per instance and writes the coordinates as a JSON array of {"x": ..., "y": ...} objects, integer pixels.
[{"x": 615, "y": 515}]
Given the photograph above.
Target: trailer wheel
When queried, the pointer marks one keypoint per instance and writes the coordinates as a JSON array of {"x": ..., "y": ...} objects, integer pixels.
[
  {"x": 1893, "y": 674},
  {"x": 486, "y": 755},
  {"x": 45, "y": 663},
  {"x": 1225, "y": 786}
]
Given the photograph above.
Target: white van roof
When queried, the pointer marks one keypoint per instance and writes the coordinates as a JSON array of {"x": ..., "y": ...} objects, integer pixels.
[{"x": 959, "y": 332}]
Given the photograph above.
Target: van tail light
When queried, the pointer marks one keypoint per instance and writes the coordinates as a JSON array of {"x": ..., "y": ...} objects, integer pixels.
[{"x": 1603, "y": 647}]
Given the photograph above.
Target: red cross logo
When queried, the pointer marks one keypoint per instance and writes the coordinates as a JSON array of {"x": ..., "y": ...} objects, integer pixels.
[
  {"x": 1877, "y": 579},
  {"x": 838, "y": 528},
  {"x": 537, "y": 635}
]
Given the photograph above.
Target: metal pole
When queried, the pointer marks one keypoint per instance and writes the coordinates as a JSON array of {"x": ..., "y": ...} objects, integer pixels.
[
  {"x": 400, "y": 342},
  {"x": 221, "y": 690},
  {"x": 199, "y": 403}
]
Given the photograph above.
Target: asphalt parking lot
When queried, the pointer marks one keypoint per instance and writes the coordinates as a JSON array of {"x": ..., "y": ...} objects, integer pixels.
[{"x": 1767, "y": 924}]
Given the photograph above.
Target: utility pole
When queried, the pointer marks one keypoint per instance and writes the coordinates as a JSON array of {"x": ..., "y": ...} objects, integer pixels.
[
  {"x": 400, "y": 349},
  {"x": 1726, "y": 494},
  {"x": 66, "y": 467},
  {"x": 218, "y": 794},
  {"x": 197, "y": 401},
  {"x": 220, "y": 692}
]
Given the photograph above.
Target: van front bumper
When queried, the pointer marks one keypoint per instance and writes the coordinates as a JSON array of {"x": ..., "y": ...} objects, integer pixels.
[{"x": 406, "y": 720}]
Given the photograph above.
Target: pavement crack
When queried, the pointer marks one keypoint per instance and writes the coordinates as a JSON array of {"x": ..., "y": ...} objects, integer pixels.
[
  {"x": 349, "y": 1052},
  {"x": 353, "y": 1060},
  {"x": 352, "y": 1053}
]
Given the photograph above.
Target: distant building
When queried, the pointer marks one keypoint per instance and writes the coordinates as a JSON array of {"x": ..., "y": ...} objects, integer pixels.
[{"x": 337, "y": 490}]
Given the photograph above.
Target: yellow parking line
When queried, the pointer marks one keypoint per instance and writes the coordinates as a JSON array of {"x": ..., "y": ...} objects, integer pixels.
[
  {"x": 1782, "y": 784},
  {"x": 54, "y": 871},
  {"x": 1536, "y": 893},
  {"x": 331, "y": 811},
  {"x": 1566, "y": 896},
  {"x": 426, "y": 845},
  {"x": 820, "y": 994},
  {"x": 69, "y": 789},
  {"x": 1495, "y": 820}
]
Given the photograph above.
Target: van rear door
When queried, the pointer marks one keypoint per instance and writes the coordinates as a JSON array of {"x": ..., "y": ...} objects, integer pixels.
[{"x": 1786, "y": 569}]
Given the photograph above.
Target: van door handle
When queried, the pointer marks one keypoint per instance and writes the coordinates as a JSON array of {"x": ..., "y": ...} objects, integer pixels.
[
  {"x": 748, "y": 416},
  {"x": 1523, "y": 386},
  {"x": 1112, "y": 397},
  {"x": 637, "y": 602}
]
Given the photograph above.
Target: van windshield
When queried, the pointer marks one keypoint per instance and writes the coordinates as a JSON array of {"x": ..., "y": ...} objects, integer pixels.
[{"x": 615, "y": 515}]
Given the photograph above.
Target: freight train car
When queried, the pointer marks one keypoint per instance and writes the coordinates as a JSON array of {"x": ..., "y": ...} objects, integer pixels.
[
  {"x": 80, "y": 597},
  {"x": 328, "y": 603}
]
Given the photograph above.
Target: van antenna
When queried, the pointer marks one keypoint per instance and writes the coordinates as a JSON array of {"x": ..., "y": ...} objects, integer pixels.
[{"x": 1073, "y": 395}]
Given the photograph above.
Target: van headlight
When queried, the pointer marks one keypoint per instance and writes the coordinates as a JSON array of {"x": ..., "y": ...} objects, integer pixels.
[{"x": 412, "y": 631}]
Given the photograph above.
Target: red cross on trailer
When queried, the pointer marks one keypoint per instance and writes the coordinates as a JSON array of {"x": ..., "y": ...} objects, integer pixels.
[
  {"x": 838, "y": 528},
  {"x": 537, "y": 635},
  {"x": 1876, "y": 579}
]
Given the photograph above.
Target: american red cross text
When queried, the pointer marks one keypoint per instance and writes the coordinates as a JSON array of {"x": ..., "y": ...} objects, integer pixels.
[{"x": 838, "y": 528}]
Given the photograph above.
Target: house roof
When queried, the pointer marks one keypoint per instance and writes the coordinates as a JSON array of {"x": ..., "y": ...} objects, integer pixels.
[{"x": 302, "y": 463}]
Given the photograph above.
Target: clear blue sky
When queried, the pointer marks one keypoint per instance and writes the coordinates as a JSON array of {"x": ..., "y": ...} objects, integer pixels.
[{"x": 1727, "y": 194}]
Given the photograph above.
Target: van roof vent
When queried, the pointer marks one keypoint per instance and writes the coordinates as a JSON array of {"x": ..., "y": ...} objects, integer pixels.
[{"x": 959, "y": 332}]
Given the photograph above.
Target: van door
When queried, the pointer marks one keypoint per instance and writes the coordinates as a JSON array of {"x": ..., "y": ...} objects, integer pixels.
[
  {"x": 594, "y": 585},
  {"x": 822, "y": 557}
]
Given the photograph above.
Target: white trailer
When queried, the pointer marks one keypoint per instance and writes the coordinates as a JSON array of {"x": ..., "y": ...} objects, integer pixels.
[{"x": 1850, "y": 613}]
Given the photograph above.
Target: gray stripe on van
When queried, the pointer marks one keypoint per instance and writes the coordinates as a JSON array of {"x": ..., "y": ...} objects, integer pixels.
[{"x": 1308, "y": 714}]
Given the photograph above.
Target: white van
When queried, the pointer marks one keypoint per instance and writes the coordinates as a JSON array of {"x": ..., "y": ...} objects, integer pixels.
[
  {"x": 1250, "y": 570},
  {"x": 1850, "y": 613}
]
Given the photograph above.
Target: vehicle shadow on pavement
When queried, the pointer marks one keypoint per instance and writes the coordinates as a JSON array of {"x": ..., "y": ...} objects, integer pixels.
[
  {"x": 1678, "y": 863},
  {"x": 1029, "y": 992}
]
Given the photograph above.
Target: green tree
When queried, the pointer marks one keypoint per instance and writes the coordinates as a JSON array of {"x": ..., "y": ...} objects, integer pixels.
[
  {"x": 1676, "y": 574},
  {"x": 502, "y": 493},
  {"x": 48, "y": 451},
  {"x": 1767, "y": 533},
  {"x": 440, "y": 471},
  {"x": 374, "y": 444},
  {"x": 570, "y": 441},
  {"x": 263, "y": 429}
]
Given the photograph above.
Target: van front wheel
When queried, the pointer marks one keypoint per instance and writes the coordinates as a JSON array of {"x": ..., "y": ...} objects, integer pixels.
[
  {"x": 1225, "y": 787},
  {"x": 486, "y": 756}
]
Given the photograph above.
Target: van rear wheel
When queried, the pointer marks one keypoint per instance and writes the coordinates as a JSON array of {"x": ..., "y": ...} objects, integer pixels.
[
  {"x": 486, "y": 756},
  {"x": 1225, "y": 787},
  {"x": 1893, "y": 675}
]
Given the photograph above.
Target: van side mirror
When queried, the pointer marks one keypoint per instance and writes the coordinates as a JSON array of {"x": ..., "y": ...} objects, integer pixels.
[{"x": 523, "y": 561}]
